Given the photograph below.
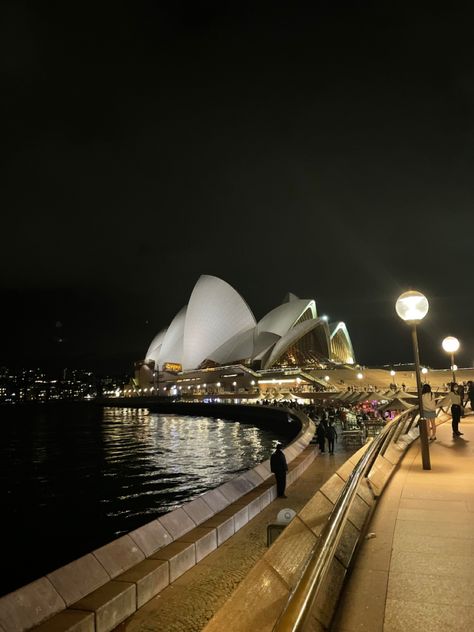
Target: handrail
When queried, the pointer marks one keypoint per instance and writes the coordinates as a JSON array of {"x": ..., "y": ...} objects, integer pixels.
[{"x": 302, "y": 598}]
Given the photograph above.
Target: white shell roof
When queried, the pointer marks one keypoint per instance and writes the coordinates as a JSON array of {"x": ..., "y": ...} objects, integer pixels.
[
  {"x": 293, "y": 336},
  {"x": 218, "y": 325},
  {"x": 216, "y": 312},
  {"x": 283, "y": 317},
  {"x": 239, "y": 347},
  {"x": 172, "y": 346},
  {"x": 155, "y": 346}
]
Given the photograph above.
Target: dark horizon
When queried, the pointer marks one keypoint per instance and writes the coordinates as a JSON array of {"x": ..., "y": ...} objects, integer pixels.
[{"x": 324, "y": 151}]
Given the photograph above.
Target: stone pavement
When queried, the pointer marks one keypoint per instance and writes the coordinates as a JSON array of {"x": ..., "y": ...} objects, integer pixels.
[
  {"x": 189, "y": 603},
  {"x": 417, "y": 572}
]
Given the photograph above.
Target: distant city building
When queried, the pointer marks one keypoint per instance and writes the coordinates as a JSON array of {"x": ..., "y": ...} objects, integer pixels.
[
  {"x": 35, "y": 385},
  {"x": 217, "y": 328}
]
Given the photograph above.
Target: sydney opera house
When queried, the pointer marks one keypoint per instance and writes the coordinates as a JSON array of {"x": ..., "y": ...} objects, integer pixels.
[{"x": 217, "y": 328}]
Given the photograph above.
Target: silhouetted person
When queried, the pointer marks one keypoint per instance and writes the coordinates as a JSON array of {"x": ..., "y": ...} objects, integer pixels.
[
  {"x": 454, "y": 399},
  {"x": 331, "y": 435},
  {"x": 279, "y": 467},
  {"x": 470, "y": 393},
  {"x": 321, "y": 434}
]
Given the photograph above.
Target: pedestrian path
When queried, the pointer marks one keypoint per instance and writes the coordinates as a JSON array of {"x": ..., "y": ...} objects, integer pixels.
[
  {"x": 190, "y": 602},
  {"x": 415, "y": 570}
]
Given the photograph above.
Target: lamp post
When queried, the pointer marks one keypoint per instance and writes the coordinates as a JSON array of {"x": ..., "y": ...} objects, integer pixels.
[
  {"x": 412, "y": 307},
  {"x": 451, "y": 345}
]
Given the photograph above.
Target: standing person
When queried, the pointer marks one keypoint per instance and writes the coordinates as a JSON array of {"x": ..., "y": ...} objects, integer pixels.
[
  {"x": 470, "y": 393},
  {"x": 461, "y": 395},
  {"x": 331, "y": 435},
  {"x": 454, "y": 399},
  {"x": 429, "y": 408},
  {"x": 279, "y": 467},
  {"x": 321, "y": 434}
]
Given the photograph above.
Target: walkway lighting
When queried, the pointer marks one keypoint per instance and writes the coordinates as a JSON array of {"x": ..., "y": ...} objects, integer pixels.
[
  {"x": 327, "y": 378},
  {"x": 451, "y": 345},
  {"x": 360, "y": 376},
  {"x": 392, "y": 373},
  {"x": 412, "y": 307}
]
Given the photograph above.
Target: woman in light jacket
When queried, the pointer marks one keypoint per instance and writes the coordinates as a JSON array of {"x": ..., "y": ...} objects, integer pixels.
[
  {"x": 429, "y": 409},
  {"x": 454, "y": 399}
]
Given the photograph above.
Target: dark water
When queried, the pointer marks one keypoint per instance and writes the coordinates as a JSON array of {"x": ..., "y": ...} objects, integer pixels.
[{"x": 76, "y": 477}]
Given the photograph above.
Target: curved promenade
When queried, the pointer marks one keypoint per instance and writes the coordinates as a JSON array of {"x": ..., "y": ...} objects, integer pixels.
[{"x": 415, "y": 572}]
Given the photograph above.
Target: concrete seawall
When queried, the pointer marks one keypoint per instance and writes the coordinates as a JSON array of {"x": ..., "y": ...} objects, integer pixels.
[{"x": 98, "y": 591}]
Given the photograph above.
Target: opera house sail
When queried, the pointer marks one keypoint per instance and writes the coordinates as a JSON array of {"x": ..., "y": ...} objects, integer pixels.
[{"x": 217, "y": 328}]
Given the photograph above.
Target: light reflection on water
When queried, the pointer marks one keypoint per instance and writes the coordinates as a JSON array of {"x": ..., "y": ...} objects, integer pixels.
[
  {"x": 73, "y": 478},
  {"x": 169, "y": 459}
]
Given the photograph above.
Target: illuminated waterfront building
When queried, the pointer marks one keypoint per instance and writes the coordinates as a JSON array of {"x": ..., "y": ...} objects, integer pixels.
[{"x": 217, "y": 328}]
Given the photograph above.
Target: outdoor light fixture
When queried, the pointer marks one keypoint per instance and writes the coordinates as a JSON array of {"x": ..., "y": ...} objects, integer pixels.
[
  {"x": 412, "y": 307},
  {"x": 360, "y": 376},
  {"x": 327, "y": 378},
  {"x": 451, "y": 345},
  {"x": 392, "y": 373}
]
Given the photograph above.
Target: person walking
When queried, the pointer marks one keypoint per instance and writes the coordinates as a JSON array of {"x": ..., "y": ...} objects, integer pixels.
[
  {"x": 331, "y": 435},
  {"x": 454, "y": 399},
  {"x": 321, "y": 432},
  {"x": 429, "y": 408},
  {"x": 279, "y": 467}
]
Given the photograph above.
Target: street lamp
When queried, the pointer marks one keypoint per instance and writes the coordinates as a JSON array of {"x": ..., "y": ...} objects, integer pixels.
[
  {"x": 424, "y": 370},
  {"x": 412, "y": 307},
  {"x": 451, "y": 345}
]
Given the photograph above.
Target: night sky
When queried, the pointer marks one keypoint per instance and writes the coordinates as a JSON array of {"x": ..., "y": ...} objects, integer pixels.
[{"x": 328, "y": 152}]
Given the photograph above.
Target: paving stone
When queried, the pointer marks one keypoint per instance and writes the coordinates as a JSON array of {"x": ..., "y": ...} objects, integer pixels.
[
  {"x": 151, "y": 537},
  {"x": 77, "y": 579},
  {"x": 29, "y": 606},
  {"x": 180, "y": 555},
  {"x": 112, "y": 604},
  {"x": 119, "y": 555},
  {"x": 69, "y": 621},
  {"x": 176, "y": 523},
  {"x": 198, "y": 510},
  {"x": 150, "y": 577}
]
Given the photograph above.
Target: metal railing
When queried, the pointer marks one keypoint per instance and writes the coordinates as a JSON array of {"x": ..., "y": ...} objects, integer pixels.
[{"x": 303, "y": 597}]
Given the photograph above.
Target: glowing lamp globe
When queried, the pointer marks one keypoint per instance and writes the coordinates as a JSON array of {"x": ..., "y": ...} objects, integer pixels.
[
  {"x": 450, "y": 344},
  {"x": 424, "y": 370},
  {"x": 412, "y": 306},
  {"x": 392, "y": 373},
  {"x": 360, "y": 376}
]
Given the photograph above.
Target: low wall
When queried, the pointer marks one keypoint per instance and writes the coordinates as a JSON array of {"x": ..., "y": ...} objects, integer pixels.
[{"x": 98, "y": 591}]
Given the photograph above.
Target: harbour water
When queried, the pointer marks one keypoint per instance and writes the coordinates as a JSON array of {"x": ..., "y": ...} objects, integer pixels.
[{"x": 75, "y": 477}]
